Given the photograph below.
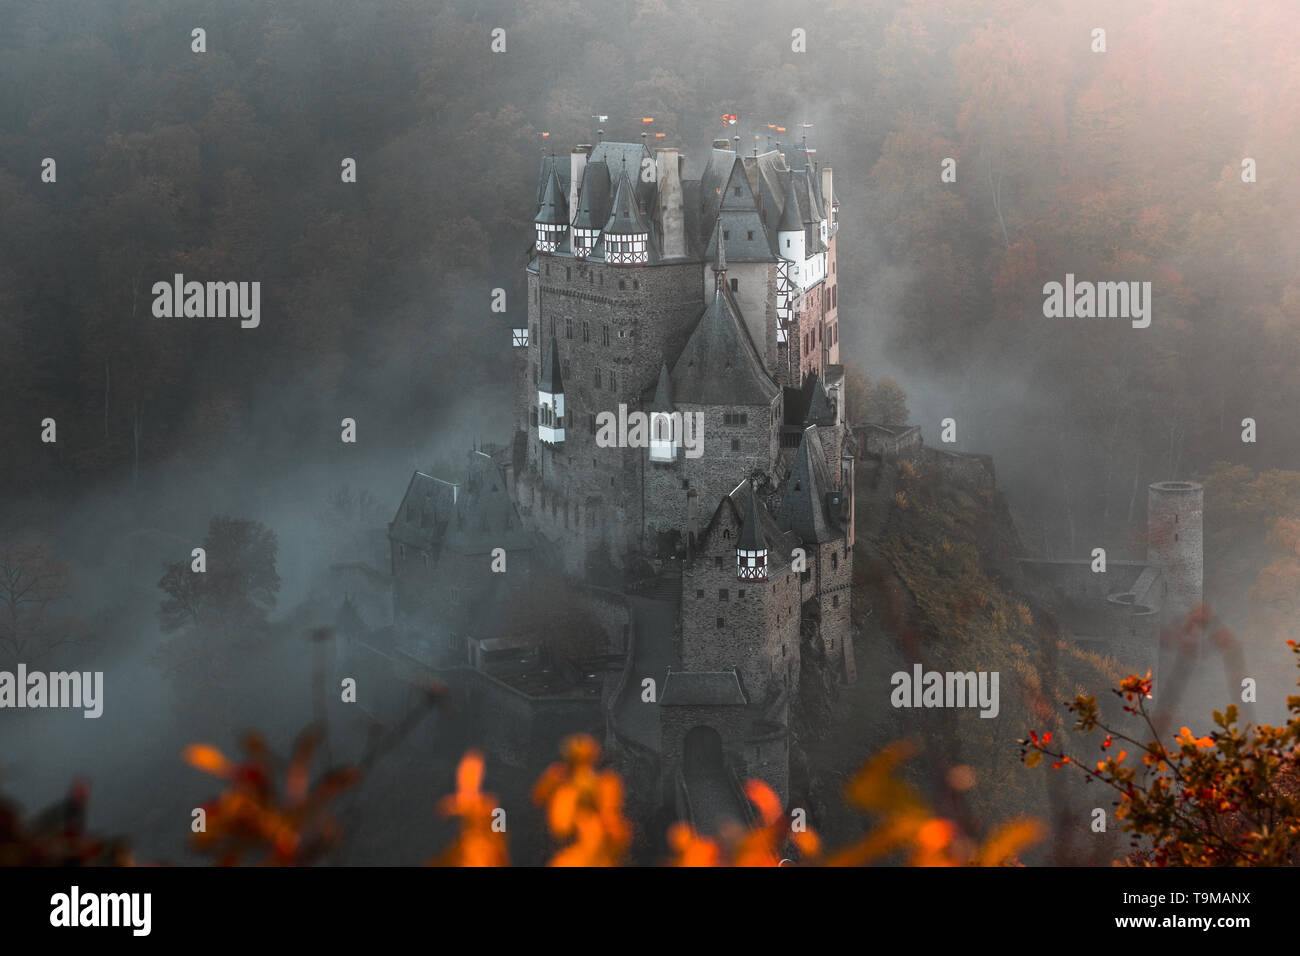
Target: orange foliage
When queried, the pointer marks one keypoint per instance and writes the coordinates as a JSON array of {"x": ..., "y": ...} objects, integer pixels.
[
  {"x": 479, "y": 844},
  {"x": 585, "y": 806},
  {"x": 907, "y": 826},
  {"x": 251, "y": 819}
]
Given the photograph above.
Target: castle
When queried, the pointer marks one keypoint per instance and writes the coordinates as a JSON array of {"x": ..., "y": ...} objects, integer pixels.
[
  {"x": 716, "y": 551},
  {"x": 709, "y": 306}
]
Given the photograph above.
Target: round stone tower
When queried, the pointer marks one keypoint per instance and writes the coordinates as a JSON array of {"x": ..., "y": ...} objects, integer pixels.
[{"x": 1174, "y": 544}]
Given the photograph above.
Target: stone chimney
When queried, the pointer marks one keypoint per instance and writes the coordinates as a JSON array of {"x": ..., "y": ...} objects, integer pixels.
[
  {"x": 827, "y": 192},
  {"x": 671, "y": 211},
  {"x": 577, "y": 165},
  {"x": 722, "y": 144}
]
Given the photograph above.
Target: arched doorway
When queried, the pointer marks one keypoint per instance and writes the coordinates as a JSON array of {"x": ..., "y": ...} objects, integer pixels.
[{"x": 701, "y": 752}]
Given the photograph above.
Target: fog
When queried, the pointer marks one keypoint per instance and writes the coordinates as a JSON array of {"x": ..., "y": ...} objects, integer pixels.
[{"x": 1117, "y": 165}]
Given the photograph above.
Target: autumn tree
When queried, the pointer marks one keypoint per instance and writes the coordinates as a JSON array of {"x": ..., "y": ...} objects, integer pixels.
[
  {"x": 236, "y": 587},
  {"x": 32, "y": 585},
  {"x": 887, "y": 403},
  {"x": 856, "y": 389},
  {"x": 1227, "y": 798},
  {"x": 217, "y": 617}
]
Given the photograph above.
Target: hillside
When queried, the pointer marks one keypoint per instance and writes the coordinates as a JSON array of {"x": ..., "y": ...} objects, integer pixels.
[{"x": 936, "y": 582}]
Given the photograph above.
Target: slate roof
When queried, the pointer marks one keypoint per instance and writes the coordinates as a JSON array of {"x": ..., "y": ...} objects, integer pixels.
[
  {"x": 471, "y": 517},
  {"x": 625, "y": 216},
  {"x": 796, "y": 155},
  {"x": 554, "y": 208},
  {"x": 780, "y": 543},
  {"x": 765, "y": 180},
  {"x": 702, "y": 689},
  {"x": 770, "y": 178},
  {"x": 593, "y": 198},
  {"x": 484, "y": 517},
  {"x": 751, "y": 533},
  {"x": 791, "y": 219},
  {"x": 424, "y": 512},
  {"x": 551, "y": 380},
  {"x": 663, "y": 397},
  {"x": 621, "y": 156},
  {"x": 738, "y": 216},
  {"x": 713, "y": 183},
  {"x": 558, "y": 165},
  {"x": 719, "y": 364},
  {"x": 821, "y": 410},
  {"x": 803, "y": 499}
]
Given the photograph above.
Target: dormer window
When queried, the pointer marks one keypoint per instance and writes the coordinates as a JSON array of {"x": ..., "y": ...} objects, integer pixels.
[
  {"x": 751, "y": 565},
  {"x": 549, "y": 237},
  {"x": 627, "y": 250},
  {"x": 584, "y": 240}
]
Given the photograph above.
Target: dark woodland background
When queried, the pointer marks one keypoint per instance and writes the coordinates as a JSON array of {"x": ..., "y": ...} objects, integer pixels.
[{"x": 375, "y": 296}]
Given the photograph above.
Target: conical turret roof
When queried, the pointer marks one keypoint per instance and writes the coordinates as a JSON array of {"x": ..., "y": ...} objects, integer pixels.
[
  {"x": 663, "y": 400},
  {"x": 791, "y": 219},
  {"x": 593, "y": 198},
  {"x": 625, "y": 217},
  {"x": 554, "y": 210},
  {"x": 803, "y": 508},
  {"x": 751, "y": 534},
  {"x": 551, "y": 381}
]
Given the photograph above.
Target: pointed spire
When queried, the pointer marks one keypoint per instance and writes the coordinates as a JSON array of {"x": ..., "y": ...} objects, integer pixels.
[
  {"x": 820, "y": 409},
  {"x": 592, "y": 197},
  {"x": 751, "y": 534},
  {"x": 802, "y": 508},
  {"x": 791, "y": 220},
  {"x": 551, "y": 381},
  {"x": 719, "y": 263},
  {"x": 625, "y": 217},
  {"x": 663, "y": 400},
  {"x": 554, "y": 210}
]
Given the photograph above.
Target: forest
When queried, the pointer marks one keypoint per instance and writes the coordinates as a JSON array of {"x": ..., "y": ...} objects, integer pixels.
[{"x": 1160, "y": 158}]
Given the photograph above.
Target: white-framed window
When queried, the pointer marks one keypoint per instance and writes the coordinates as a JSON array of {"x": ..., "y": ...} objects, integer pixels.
[
  {"x": 627, "y": 250},
  {"x": 584, "y": 240},
  {"x": 549, "y": 237}
]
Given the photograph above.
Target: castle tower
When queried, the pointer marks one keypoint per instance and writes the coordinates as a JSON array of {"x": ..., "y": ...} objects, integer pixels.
[
  {"x": 593, "y": 197},
  {"x": 552, "y": 219},
  {"x": 626, "y": 234},
  {"x": 550, "y": 399},
  {"x": 1174, "y": 532},
  {"x": 790, "y": 231},
  {"x": 665, "y": 424},
  {"x": 751, "y": 547}
]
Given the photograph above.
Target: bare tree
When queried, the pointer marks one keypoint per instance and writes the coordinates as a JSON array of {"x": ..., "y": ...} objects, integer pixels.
[{"x": 32, "y": 583}]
